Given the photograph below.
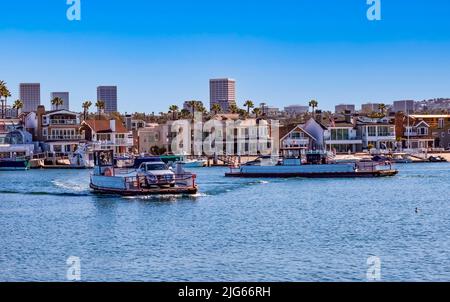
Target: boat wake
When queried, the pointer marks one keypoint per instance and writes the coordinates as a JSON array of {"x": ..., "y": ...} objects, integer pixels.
[
  {"x": 70, "y": 186},
  {"x": 61, "y": 194}
]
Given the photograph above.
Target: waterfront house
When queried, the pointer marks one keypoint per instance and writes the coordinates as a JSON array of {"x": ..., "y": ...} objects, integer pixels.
[
  {"x": 149, "y": 137},
  {"x": 342, "y": 136},
  {"x": 377, "y": 133},
  {"x": 439, "y": 125},
  {"x": 108, "y": 135},
  {"x": 316, "y": 129},
  {"x": 415, "y": 133},
  {"x": 297, "y": 138},
  {"x": 58, "y": 130}
]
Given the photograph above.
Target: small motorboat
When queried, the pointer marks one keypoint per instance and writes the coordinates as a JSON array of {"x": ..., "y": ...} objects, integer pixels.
[
  {"x": 401, "y": 158},
  {"x": 437, "y": 159},
  {"x": 152, "y": 177}
]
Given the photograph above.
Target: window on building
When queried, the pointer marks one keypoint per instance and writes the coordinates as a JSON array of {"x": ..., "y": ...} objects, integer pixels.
[
  {"x": 372, "y": 131},
  {"x": 441, "y": 123},
  {"x": 340, "y": 134}
]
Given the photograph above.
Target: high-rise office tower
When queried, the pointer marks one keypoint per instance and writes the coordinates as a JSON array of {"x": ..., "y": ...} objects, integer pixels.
[
  {"x": 30, "y": 95},
  {"x": 108, "y": 94},
  {"x": 222, "y": 92}
]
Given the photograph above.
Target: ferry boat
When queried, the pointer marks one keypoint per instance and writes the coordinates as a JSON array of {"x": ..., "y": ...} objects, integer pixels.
[
  {"x": 297, "y": 162},
  {"x": 150, "y": 178}
]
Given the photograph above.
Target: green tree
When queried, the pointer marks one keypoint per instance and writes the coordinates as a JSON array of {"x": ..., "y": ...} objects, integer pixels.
[
  {"x": 100, "y": 106},
  {"x": 86, "y": 105},
  {"x": 4, "y": 92},
  {"x": 57, "y": 102},
  {"x": 313, "y": 104},
  {"x": 18, "y": 105},
  {"x": 249, "y": 104},
  {"x": 173, "y": 109},
  {"x": 234, "y": 108},
  {"x": 257, "y": 112},
  {"x": 216, "y": 108}
]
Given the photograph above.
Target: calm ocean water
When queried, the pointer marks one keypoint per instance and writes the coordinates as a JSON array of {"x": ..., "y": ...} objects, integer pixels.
[{"x": 234, "y": 230}]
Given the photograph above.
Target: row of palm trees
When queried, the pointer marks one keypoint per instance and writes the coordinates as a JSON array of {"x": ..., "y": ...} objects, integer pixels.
[
  {"x": 197, "y": 106},
  {"x": 4, "y": 95}
]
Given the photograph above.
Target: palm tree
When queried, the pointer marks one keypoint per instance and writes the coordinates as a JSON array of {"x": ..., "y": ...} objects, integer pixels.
[
  {"x": 4, "y": 92},
  {"x": 313, "y": 104},
  {"x": 57, "y": 102},
  {"x": 86, "y": 105},
  {"x": 100, "y": 107},
  {"x": 234, "y": 108},
  {"x": 382, "y": 108},
  {"x": 257, "y": 112},
  {"x": 18, "y": 105},
  {"x": 193, "y": 105},
  {"x": 249, "y": 104},
  {"x": 174, "y": 109},
  {"x": 216, "y": 108},
  {"x": 185, "y": 113}
]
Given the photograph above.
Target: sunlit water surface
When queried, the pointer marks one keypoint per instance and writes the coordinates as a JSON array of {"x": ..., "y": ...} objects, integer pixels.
[{"x": 233, "y": 230}]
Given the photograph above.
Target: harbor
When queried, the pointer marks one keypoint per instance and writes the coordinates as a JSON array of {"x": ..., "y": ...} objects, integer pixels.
[{"x": 232, "y": 229}]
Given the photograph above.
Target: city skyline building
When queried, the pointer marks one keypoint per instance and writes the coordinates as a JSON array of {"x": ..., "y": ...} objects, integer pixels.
[
  {"x": 30, "y": 95},
  {"x": 222, "y": 92},
  {"x": 108, "y": 94},
  {"x": 345, "y": 107},
  {"x": 407, "y": 106}
]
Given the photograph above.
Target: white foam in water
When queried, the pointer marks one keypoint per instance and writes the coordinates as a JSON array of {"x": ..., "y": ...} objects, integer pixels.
[{"x": 66, "y": 185}]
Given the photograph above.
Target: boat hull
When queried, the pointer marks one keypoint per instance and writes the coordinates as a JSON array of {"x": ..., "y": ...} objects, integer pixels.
[
  {"x": 14, "y": 165},
  {"x": 362, "y": 174},
  {"x": 145, "y": 192}
]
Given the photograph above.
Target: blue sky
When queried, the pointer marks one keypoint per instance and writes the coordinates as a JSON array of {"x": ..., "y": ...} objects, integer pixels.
[{"x": 281, "y": 52}]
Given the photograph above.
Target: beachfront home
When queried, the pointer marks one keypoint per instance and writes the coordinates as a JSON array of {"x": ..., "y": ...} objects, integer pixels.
[
  {"x": 297, "y": 138},
  {"x": 377, "y": 133},
  {"x": 439, "y": 125},
  {"x": 342, "y": 136},
  {"x": 149, "y": 137},
  {"x": 58, "y": 130},
  {"x": 316, "y": 129},
  {"x": 108, "y": 135}
]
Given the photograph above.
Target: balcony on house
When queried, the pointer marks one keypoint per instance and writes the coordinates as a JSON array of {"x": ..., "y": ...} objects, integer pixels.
[
  {"x": 62, "y": 122},
  {"x": 64, "y": 137}
]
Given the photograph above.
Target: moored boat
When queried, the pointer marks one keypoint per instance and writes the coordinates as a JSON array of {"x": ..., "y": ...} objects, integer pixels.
[
  {"x": 14, "y": 164},
  {"x": 150, "y": 178},
  {"x": 315, "y": 165}
]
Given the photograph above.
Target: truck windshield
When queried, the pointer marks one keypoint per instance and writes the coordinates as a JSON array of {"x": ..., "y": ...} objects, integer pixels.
[{"x": 156, "y": 167}]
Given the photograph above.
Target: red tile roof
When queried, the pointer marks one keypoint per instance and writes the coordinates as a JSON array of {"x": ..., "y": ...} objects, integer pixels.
[{"x": 104, "y": 126}]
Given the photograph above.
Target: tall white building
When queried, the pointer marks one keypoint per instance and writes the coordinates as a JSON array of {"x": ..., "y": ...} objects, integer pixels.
[
  {"x": 222, "y": 92},
  {"x": 108, "y": 94},
  {"x": 30, "y": 95},
  {"x": 64, "y": 96}
]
